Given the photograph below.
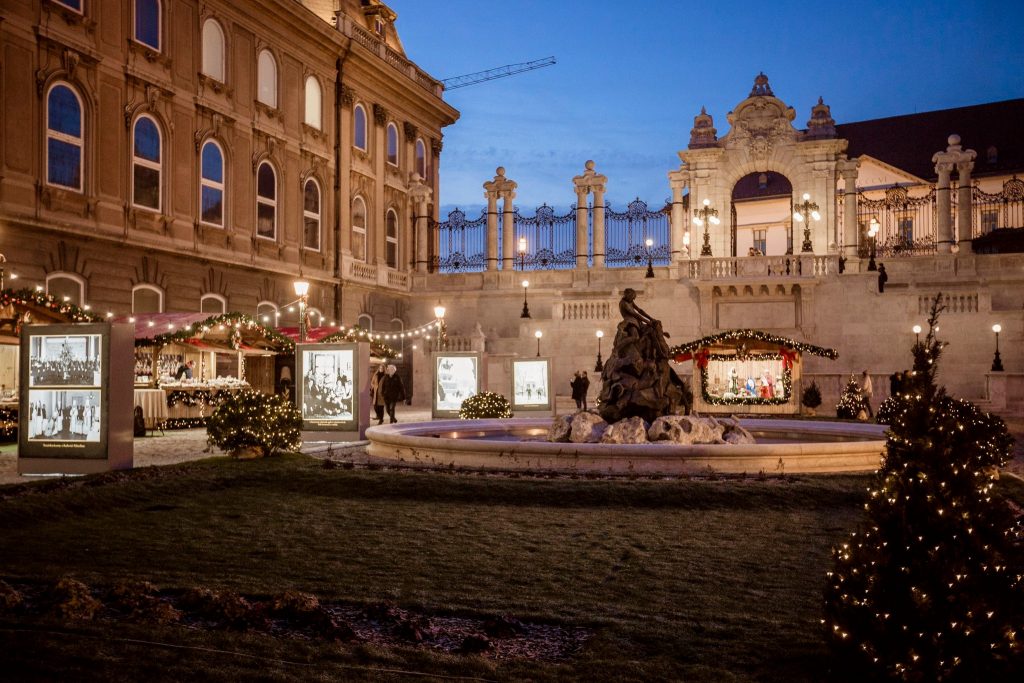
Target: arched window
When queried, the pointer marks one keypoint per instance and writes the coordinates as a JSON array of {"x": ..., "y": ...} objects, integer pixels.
[
  {"x": 365, "y": 321},
  {"x": 214, "y": 304},
  {"x": 211, "y": 184},
  {"x": 146, "y": 163},
  {"x": 391, "y": 238},
  {"x": 359, "y": 228},
  {"x": 266, "y": 201},
  {"x": 421, "y": 159},
  {"x": 64, "y": 139},
  {"x": 66, "y": 287},
  {"x": 393, "y": 144},
  {"x": 314, "y": 104},
  {"x": 147, "y": 299},
  {"x": 267, "y": 75},
  {"x": 359, "y": 135},
  {"x": 311, "y": 215},
  {"x": 147, "y": 23},
  {"x": 266, "y": 312},
  {"x": 213, "y": 50}
]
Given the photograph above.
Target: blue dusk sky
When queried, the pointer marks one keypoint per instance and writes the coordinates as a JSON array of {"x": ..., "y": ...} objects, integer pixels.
[{"x": 631, "y": 76}]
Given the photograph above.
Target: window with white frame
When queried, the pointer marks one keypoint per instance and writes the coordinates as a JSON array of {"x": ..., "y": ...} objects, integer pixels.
[
  {"x": 266, "y": 69},
  {"x": 761, "y": 241},
  {"x": 65, "y": 141},
  {"x": 148, "y": 23},
  {"x": 75, "y": 5},
  {"x": 359, "y": 228},
  {"x": 421, "y": 159},
  {"x": 66, "y": 287},
  {"x": 365, "y": 321},
  {"x": 211, "y": 184},
  {"x": 314, "y": 103},
  {"x": 214, "y": 304},
  {"x": 213, "y": 50},
  {"x": 359, "y": 127},
  {"x": 266, "y": 312},
  {"x": 393, "y": 144},
  {"x": 146, "y": 163},
  {"x": 266, "y": 201},
  {"x": 147, "y": 299},
  {"x": 391, "y": 238},
  {"x": 311, "y": 215}
]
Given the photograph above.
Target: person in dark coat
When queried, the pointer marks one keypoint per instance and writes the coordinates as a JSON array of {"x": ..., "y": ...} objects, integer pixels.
[
  {"x": 584, "y": 388},
  {"x": 882, "y": 278},
  {"x": 392, "y": 391},
  {"x": 575, "y": 384}
]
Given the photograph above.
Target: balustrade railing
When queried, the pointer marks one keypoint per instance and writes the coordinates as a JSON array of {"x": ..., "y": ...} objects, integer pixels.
[
  {"x": 586, "y": 310},
  {"x": 764, "y": 267}
]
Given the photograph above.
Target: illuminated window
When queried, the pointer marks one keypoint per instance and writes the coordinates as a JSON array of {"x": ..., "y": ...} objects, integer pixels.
[
  {"x": 146, "y": 164},
  {"x": 211, "y": 185},
  {"x": 359, "y": 134},
  {"x": 359, "y": 228},
  {"x": 391, "y": 239},
  {"x": 761, "y": 241},
  {"x": 213, "y": 50},
  {"x": 64, "y": 139},
  {"x": 267, "y": 76},
  {"x": 266, "y": 202},
  {"x": 313, "y": 103},
  {"x": 311, "y": 215},
  {"x": 393, "y": 144},
  {"x": 147, "y": 23}
]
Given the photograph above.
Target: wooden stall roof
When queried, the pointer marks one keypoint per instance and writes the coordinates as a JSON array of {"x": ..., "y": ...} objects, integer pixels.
[
  {"x": 222, "y": 332},
  {"x": 29, "y": 306},
  {"x": 685, "y": 351}
]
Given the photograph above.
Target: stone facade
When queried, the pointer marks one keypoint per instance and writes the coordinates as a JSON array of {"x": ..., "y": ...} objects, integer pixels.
[{"x": 198, "y": 71}]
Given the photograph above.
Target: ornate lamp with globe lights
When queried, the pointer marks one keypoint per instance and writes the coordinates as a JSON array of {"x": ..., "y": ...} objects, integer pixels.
[
  {"x": 701, "y": 217},
  {"x": 302, "y": 291},
  {"x": 804, "y": 213}
]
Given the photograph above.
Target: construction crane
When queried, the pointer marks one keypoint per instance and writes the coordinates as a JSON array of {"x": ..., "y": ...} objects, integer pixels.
[{"x": 491, "y": 74}]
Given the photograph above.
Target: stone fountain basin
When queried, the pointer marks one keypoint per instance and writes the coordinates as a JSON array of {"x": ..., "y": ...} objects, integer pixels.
[{"x": 783, "y": 446}]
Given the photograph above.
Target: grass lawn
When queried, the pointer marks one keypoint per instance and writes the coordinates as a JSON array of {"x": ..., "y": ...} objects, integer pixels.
[{"x": 678, "y": 580}]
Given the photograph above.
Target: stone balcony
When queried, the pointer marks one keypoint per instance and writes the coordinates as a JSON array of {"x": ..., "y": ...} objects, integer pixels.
[{"x": 374, "y": 275}]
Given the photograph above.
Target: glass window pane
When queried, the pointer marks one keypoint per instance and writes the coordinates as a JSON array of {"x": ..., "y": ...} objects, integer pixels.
[
  {"x": 60, "y": 287},
  {"x": 72, "y": 4},
  {"x": 145, "y": 301},
  {"x": 267, "y": 69},
  {"x": 213, "y": 163},
  {"x": 360, "y": 134},
  {"x": 392, "y": 144},
  {"x": 265, "y": 185},
  {"x": 65, "y": 114},
  {"x": 392, "y": 255},
  {"x": 359, "y": 245},
  {"x": 313, "y": 104},
  {"x": 311, "y": 202},
  {"x": 213, "y": 50},
  {"x": 213, "y": 205},
  {"x": 147, "y": 22},
  {"x": 311, "y": 233},
  {"x": 147, "y": 187},
  {"x": 421, "y": 159},
  {"x": 147, "y": 140},
  {"x": 265, "y": 220},
  {"x": 392, "y": 225},
  {"x": 64, "y": 163}
]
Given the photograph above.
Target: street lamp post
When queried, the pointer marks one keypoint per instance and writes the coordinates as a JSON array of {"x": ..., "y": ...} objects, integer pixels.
[
  {"x": 522, "y": 254},
  {"x": 442, "y": 328},
  {"x": 997, "y": 362},
  {"x": 917, "y": 333},
  {"x": 599, "y": 365},
  {"x": 701, "y": 217},
  {"x": 302, "y": 291},
  {"x": 873, "y": 234},
  {"x": 526, "y": 306},
  {"x": 803, "y": 213},
  {"x": 650, "y": 262},
  {"x": 538, "y": 334}
]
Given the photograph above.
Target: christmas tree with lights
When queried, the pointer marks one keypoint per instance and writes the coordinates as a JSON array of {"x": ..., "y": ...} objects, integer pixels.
[
  {"x": 931, "y": 588},
  {"x": 851, "y": 402}
]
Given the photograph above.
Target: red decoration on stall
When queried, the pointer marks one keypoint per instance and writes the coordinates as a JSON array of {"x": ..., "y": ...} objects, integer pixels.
[
  {"x": 701, "y": 357},
  {"x": 683, "y": 357},
  {"x": 788, "y": 357}
]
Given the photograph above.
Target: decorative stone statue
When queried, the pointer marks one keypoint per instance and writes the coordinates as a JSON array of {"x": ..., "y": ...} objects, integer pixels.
[{"x": 637, "y": 379}]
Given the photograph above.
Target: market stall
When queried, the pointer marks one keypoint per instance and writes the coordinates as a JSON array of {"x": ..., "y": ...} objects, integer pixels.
[
  {"x": 187, "y": 363},
  {"x": 747, "y": 371}
]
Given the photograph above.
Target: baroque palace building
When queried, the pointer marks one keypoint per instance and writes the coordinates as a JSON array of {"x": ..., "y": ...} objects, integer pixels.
[{"x": 187, "y": 155}]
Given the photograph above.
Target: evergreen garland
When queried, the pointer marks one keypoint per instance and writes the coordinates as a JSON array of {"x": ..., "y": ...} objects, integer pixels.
[
  {"x": 33, "y": 297},
  {"x": 355, "y": 334},
  {"x": 931, "y": 588},
  {"x": 756, "y": 335}
]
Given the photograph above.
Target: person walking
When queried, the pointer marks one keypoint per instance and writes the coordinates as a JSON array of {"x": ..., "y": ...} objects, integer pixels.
[
  {"x": 575, "y": 385},
  {"x": 883, "y": 277},
  {"x": 376, "y": 395},
  {"x": 584, "y": 388},
  {"x": 392, "y": 391},
  {"x": 866, "y": 391}
]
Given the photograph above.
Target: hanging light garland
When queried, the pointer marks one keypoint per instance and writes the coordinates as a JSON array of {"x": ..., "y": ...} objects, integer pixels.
[
  {"x": 40, "y": 299},
  {"x": 688, "y": 348}
]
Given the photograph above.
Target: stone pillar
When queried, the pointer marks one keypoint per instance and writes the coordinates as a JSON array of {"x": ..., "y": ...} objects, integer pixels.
[
  {"x": 419, "y": 195},
  {"x": 407, "y": 241},
  {"x": 944, "y": 208},
  {"x": 500, "y": 187},
  {"x": 850, "y": 243},
  {"x": 344, "y": 181},
  {"x": 581, "y": 227},
  {"x": 679, "y": 225},
  {"x": 599, "y": 226},
  {"x": 508, "y": 230},
  {"x": 375, "y": 214},
  {"x": 964, "y": 201}
]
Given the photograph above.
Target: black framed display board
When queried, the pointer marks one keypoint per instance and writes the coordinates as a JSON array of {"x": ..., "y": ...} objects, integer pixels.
[
  {"x": 76, "y": 398},
  {"x": 330, "y": 391},
  {"x": 457, "y": 376},
  {"x": 531, "y": 385}
]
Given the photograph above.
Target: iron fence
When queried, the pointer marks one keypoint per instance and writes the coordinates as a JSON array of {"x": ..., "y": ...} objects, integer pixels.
[
  {"x": 462, "y": 244},
  {"x": 906, "y": 222},
  {"x": 626, "y": 236},
  {"x": 550, "y": 240},
  {"x": 1003, "y": 209}
]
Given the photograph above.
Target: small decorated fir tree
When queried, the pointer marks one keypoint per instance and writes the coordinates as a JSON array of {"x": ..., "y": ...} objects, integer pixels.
[
  {"x": 931, "y": 587},
  {"x": 851, "y": 402},
  {"x": 811, "y": 398},
  {"x": 486, "y": 404}
]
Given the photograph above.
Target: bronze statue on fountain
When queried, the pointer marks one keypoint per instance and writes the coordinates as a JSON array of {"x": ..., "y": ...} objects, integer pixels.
[{"x": 637, "y": 379}]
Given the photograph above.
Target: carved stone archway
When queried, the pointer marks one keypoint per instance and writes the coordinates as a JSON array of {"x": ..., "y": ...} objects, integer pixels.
[{"x": 762, "y": 138}]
